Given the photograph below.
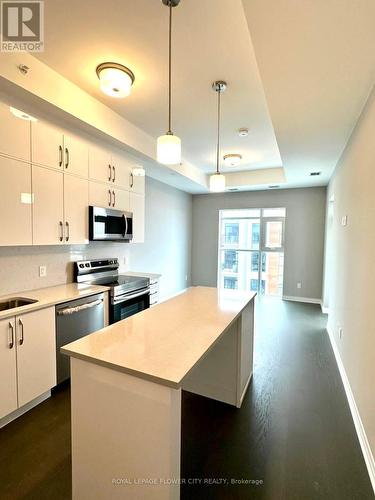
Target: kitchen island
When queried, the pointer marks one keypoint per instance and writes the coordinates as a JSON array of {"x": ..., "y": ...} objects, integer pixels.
[{"x": 126, "y": 383}]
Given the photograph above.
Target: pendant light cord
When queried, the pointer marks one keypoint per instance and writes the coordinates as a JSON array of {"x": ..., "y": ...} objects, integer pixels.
[
  {"x": 218, "y": 132},
  {"x": 170, "y": 71}
]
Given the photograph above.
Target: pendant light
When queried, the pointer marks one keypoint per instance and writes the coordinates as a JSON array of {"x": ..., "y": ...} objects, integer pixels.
[
  {"x": 169, "y": 145},
  {"x": 217, "y": 180}
]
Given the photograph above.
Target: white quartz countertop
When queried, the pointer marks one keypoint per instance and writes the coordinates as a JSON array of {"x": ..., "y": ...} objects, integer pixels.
[
  {"x": 50, "y": 296},
  {"x": 165, "y": 342}
]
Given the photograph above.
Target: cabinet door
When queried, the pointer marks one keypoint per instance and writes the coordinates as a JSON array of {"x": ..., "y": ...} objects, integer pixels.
[
  {"x": 14, "y": 134},
  {"x": 46, "y": 144},
  {"x": 120, "y": 199},
  {"x": 36, "y": 354},
  {"x": 48, "y": 213},
  {"x": 15, "y": 202},
  {"x": 8, "y": 367},
  {"x": 76, "y": 201},
  {"x": 76, "y": 155},
  {"x": 121, "y": 170},
  {"x": 100, "y": 168},
  {"x": 100, "y": 195},
  {"x": 137, "y": 206},
  {"x": 137, "y": 184}
]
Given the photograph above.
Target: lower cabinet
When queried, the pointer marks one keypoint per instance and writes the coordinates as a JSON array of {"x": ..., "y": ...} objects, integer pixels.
[{"x": 27, "y": 358}]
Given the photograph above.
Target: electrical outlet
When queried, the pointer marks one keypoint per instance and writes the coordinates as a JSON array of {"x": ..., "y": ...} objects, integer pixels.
[
  {"x": 42, "y": 271},
  {"x": 299, "y": 284},
  {"x": 340, "y": 332}
]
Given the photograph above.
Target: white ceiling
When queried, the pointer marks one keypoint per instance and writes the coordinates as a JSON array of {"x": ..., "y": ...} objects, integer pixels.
[
  {"x": 316, "y": 67},
  {"x": 211, "y": 41}
]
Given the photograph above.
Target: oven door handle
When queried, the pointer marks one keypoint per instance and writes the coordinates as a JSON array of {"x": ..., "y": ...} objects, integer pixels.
[{"x": 124, "y": 298}]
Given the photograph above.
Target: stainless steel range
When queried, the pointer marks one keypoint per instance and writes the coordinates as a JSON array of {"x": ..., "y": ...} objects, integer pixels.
[{"x": 128, "y": 294}]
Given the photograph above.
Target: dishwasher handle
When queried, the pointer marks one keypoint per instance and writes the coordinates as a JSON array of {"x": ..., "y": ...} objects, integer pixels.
[{"x": 72, "y": 310}]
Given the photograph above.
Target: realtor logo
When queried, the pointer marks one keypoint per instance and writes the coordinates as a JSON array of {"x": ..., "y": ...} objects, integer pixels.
[{"x": 22, "y": 26}]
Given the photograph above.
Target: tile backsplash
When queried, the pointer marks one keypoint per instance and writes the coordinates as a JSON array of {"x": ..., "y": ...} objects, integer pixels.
[{"x": 19, "y": 269}]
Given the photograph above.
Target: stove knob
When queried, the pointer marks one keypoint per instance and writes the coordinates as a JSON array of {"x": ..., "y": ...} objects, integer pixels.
[
  {"x": 81, "y": 265},
  {"x": 87, "y": 264}
]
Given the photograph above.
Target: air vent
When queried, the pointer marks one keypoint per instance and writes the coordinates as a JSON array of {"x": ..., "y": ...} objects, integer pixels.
[
  {"x": 274, "y": 186},
  {"x": 232, "y": 189},
  {"x": 314, "y": 174}
]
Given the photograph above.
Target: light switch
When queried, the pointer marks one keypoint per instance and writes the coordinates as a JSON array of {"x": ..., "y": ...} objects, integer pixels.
[
  {"x": 344, "y": 220},
  {"x": 299, "y": 284},
  {"x": 42, "y": 271}
]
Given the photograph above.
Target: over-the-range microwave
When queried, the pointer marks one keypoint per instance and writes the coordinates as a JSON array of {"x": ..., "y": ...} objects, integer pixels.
[{"x": 110, "y": 225}]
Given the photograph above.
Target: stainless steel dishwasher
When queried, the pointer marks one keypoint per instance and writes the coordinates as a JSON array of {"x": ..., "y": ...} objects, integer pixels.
[{"x": 75, "y": 319}]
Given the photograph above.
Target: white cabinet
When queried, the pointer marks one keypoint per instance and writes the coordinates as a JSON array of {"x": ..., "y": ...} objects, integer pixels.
[
  {"x": 8, "y": 367},
  {"x": 27, "y": 358},
  {"x": 137, "y": 206},
  {"x": 100, "y": 166},
  {"x": 48, "y": 211},
  {"x": 36, "y": 354},
  {"x": 15, "y": 202},
  {"x": 137, "y": 183},
  {"x": 47, "y": 145},
  {"x": 121, "y": 171},
  {"x": 76, "y": 155},
  {"x": 76, "y": 201},
  {"x": 107, "y": 196},
  {"x": 14, "y": 134},
  {"x": 52, "y": 148},
  {"x": 154, "y": 291}
]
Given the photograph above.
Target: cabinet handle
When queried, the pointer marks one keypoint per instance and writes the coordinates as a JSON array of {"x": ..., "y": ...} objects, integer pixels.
[
  {"x": 109, "y": 173},
  {"x": 114, "y": 173},
  {"x": 21, "y": 331},
  {"x": 11, "y": 339},
  {"x": 114, "y": 199},
  {"x": 67, "y": 231},
  {"x": 60, "y": 156},
  {"x": 67, "y": 157},
  {"x": 110, "y": 198},
  {"x": 61, "y": 231},
  {"x": 131, "y": 180}
]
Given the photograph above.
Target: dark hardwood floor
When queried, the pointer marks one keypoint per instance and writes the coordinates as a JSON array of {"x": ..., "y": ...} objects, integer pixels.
[{"x": 293, "y": 437}]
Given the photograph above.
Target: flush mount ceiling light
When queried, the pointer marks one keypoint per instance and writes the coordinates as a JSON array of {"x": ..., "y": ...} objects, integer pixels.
[
  {"x": 232, "y": 160},
  {"x": 115, "y": 79},
  {"x": 169, "y": 145},
  {"x": 243, "y": 132},
  {"x": 21, "y": 114},
  {"x": 217, "y": 180}
]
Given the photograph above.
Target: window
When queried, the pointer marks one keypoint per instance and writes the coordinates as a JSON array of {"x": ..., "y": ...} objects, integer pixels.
[
  {"x": 255, "y": 233},
  {"x": 230, "y": 283},
  {"x": 264, "y": 260},
  {"x": 262, "y": 287},
  {"x": 230, "y": 261},
  {"x": 253, "y": 285},
  {"x": 254, "y": 261},
  {"x": 232, "y": 232}
]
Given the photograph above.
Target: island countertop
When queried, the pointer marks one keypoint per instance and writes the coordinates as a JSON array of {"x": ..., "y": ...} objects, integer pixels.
[{"x": 164, "y": 343}]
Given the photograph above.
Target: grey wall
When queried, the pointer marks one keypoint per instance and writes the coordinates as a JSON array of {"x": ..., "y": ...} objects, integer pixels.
[
  {"x": 304, "y": 235},
  {"x": 167, "y": 249},
  {"x": 349, "y": 270}
]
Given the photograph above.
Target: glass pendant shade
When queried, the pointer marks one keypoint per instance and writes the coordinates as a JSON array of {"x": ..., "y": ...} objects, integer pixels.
[
  {"x": 217, "y": 183},
  {"x": 168, "y": 149}
]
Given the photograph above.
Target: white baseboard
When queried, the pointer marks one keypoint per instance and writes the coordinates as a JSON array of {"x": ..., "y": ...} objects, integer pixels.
[
  {"x": 20, "y": 411},
  {"x": 325, "y": 310},
  {"x": 365, "y": 445},
  {"x": 308, "y": 300}
]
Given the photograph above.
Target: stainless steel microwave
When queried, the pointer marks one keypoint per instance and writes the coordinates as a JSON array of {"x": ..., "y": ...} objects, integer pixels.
[{"x": 110, "y": 225}]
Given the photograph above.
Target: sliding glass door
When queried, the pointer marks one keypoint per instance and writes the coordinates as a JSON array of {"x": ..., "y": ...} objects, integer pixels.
[{"x": 251, "y": 250}]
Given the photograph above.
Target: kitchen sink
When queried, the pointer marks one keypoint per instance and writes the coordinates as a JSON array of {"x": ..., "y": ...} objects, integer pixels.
[{"x": 15, "y": 302}]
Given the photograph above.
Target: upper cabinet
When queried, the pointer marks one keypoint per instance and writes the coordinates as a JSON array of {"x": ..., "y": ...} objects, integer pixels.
[
  {"x": 137, "y": 183},
  {"x": 52, "y": 148},
  {"x": 121, "y": 169},
  {"x": 15, "y": 202},
  {"x": 14, "y": 135},
  {"x": 100, "y": 167}
]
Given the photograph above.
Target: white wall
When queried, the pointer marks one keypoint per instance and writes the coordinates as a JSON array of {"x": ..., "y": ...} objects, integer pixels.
[
  {"x": 350, "y": 274},
  {"x": 304, "y": 235},
  {"x": 167, "y": 249}
]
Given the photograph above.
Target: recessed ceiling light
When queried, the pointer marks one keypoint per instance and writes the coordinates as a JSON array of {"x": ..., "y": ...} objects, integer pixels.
[
  {"x": 232, "y": 160},
  {"x": 313, "y": 174},
  {"x": 21, "y": 114},
  {"x": 274, "y": 186},
  {"x": 116, "y": 80},
  {"x": 243, "y": 132}
]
